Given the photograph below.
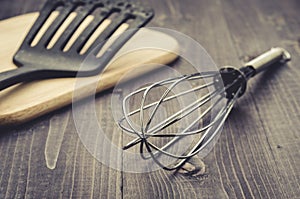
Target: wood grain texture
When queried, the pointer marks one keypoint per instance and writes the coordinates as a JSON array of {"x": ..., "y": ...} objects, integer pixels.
[
  {"x": 27, "y": 101},
  {"x": 257, "y": 155}
]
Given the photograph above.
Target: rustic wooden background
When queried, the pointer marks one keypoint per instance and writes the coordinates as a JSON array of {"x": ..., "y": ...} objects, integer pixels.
[{"x": 257, "y": 155}]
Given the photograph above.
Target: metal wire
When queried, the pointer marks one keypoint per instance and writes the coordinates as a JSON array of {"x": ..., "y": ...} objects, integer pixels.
[
  {"x": 144, "y": 131},
  {"x": 227, "y": 84}
]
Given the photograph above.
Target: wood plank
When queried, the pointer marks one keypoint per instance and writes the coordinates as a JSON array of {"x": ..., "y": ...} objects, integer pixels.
[
  {"x": 266, "y": 94},
  {"x": 257, "y": 153},
  {"x": 246, "y": 163}
]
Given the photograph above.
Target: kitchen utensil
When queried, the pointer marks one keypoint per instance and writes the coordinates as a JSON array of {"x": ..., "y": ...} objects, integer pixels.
[
  {"x": 229, "y": 83},
  {"x": 27, "y": 101},
  {"x": 47, "y": 52}
]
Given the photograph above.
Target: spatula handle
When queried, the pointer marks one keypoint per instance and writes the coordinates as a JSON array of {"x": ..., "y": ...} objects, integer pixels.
[{"x": 12, "y": 77}]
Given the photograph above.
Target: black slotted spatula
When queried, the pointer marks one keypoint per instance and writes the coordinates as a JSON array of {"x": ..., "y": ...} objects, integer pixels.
[{"x": 39, "y": 57}]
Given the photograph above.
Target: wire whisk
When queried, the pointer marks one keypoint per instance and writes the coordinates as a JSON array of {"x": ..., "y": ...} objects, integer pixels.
[{"x": 211, "y": 95}]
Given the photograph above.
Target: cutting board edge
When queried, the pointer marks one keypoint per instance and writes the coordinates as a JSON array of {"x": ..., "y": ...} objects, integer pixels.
[{"x": 25, "y": 115}]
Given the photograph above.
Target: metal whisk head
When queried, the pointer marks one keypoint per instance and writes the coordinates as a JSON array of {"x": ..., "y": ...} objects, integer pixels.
[{"x": 180, "y": 117}]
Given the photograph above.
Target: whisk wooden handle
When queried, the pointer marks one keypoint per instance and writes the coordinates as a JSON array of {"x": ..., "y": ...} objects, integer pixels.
[{"x": 268, "y": 58}]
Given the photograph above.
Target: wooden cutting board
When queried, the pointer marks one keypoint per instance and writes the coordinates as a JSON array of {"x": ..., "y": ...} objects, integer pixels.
[{"x": 27, "y": 101}]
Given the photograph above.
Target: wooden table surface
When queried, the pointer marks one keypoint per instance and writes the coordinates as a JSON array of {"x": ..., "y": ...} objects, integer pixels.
[{"x": 257, "y": 155}]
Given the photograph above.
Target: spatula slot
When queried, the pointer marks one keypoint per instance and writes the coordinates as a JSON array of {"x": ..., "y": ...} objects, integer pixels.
[
  {"x": 117, "y": 20},
  {"x": 61, "y": 30},
  {"x": 77, "y": 27},
  {"x": 96, "y": 32},
  {"x": 121, "y": 29},
  {"x": 52, "y": 25},
  {"x": 44, "y": 28},
  {"x": 65, "y": 26},
  {"x": 94, "y": 36},
  {"x": 78, "y": 32},
  {"x": 67, "y": 38},
  {"x": 129, "y": 21},
  {"x": 66, "y": 31}
]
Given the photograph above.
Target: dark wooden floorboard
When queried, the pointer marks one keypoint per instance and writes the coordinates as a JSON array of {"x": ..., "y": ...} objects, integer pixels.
[{"x": 257, "y": 155}]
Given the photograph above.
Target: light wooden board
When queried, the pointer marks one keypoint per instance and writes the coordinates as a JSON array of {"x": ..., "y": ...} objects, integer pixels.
[{"x": 26, "y": 101}]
